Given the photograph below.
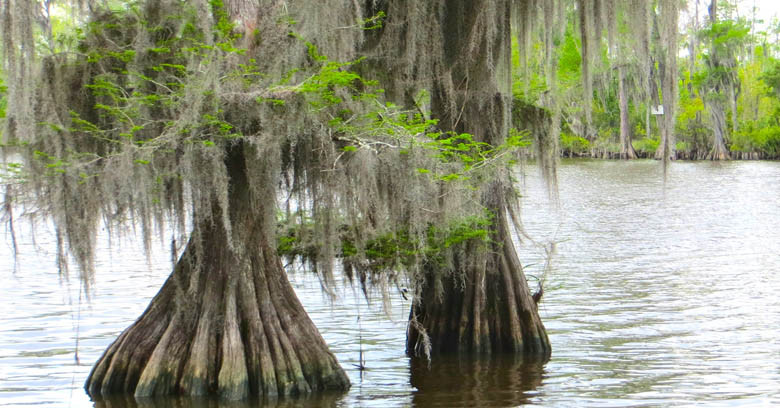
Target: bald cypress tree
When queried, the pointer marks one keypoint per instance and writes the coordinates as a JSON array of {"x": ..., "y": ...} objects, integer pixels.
[
  {"x": 667, "y": 50},
  {"x": 489, "y": 308},
  {"x": 720, "y": 83},
  {"x": 236, "y": 123},
  {"x": 458, "y": 52},
  {"x": 159, "y": 114}
]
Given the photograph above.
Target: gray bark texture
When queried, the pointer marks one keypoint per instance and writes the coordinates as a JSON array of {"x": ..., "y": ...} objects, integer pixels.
[
  {"x": 626, "y": 148},
  {"x": 718, "y": 123},
  {"x": 226, "y": 322},
  {"x": 461, "y": 54}
]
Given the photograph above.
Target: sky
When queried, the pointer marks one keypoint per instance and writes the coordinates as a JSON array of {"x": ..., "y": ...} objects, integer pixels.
[{"x": 766, "y": 10}]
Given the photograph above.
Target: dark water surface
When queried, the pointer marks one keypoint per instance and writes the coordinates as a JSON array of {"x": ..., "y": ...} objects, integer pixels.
[{"x": 658, "y": 296}]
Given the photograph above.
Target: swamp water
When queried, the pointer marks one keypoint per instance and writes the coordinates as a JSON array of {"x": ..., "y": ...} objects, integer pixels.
[{"x": 658, "y": 296}]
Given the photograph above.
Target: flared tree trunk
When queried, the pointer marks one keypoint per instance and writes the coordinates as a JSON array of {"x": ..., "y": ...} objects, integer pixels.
[
  {"x": 715, "y": 98},
  {"x": 626, "y": 148},
  {"x": 226, "y": 322},
  {"x": 484, "y": 307},
  {"x": 665, "y": 23},
  {"x": 718, "y": 119},
  {"x": 483, "y": 304}
]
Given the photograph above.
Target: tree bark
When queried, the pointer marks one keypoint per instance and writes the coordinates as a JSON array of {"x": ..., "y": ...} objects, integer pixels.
[
  {"x": 656, "y": 75},
  {"x": 718, "y": 118},
  {"x": 484, "y": 307},
  {"x": 666, "y": 26},
  {"x": 459, "y": 52},
  {"x": 733, "y": 95},
  {"x": 588, "y": 37},
  {"x": 626, "y": 148},
  {"x": 483, "y": 303},
  {"x": 715, "y": 101},
  {"x": 226, "y": 322}
]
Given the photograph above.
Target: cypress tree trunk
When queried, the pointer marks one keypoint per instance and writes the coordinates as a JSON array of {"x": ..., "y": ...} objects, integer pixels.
[
  {"x": 733, "y": 94},
  {"x": 718, "y": 118},
  {"x": 483, "y": 305},
  {"x": 669, "y": 26},
  {"x": 588, "y": 35},
  {"x": 226, "y": 322},
  {"x": 626, "y": 148},
  {"x": 715, "y": 99},
  {"x": 666, "y": 147}
]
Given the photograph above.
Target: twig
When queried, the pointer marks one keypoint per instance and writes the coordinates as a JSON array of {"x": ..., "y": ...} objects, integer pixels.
[{"x": 361, "y": 366}]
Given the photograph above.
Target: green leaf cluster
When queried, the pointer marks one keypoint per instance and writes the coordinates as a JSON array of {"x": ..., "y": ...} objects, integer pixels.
[
  {"x": 3, "y": 90},
  {"x": 393, "y": 250},
  {"x": 574, "y": 145}
]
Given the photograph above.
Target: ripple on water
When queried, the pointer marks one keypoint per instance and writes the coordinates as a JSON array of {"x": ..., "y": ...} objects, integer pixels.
[
  {"x": 685, "y": 300},
  {"x": 659, "y": 296}
]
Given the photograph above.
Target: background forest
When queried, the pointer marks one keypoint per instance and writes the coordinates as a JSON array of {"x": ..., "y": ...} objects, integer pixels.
[
  {"x": 727, "y": 73},
  {"x": 745, "y": 38}
]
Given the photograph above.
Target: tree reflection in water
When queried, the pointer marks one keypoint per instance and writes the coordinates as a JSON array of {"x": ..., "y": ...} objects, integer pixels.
[
  {"x": 489, "y": 381},
  {"x": 324, "y": 399}
]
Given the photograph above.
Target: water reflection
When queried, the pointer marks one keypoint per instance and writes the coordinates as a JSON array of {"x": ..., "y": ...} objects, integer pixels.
[
  {"x": 660, "y": 295},
  {"x": 309, "y": 401},
  {"x": 498, "y": 381}
]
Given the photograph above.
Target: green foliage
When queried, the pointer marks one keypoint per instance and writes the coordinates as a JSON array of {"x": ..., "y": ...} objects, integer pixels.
[
  {"x": 731, "y": 62},
  {"x": 133, "y": 89},
  {"x": 471, "y": 228},
  {"x": 690, "y": 129},
  {"x": 3, "y": 90},
  {"x": 160, "y": 102},
  {"x": 690, "y": 106},
  {"x": 725, "y": 37},
  {"x": 224, "y": 32},
  {"x": 53, "y": 165},
  {"x": 392, "y": 250},
  {"x": 646, "y": 146},
  {"x": 574, "y": 145},
  {"x": 753, "y": 137},
  {"x": 374, "y": 22},
  {"x": 12, "y": 173},
  {"x": 771, "y": 77},
  {"x": 325, "y": 92},
  {"x": 529, "y": 84},
  {"x": 320, "y": 88},
  {"x": 451, "y": 147},
  {"x": 606, "y": 140},
  {"x": 570, "y": 62}
]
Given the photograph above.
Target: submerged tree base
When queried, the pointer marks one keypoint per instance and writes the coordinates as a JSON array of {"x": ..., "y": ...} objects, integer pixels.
[
  {"x": 226, "y": 322},
  {"x": 487, "y": 309},
  {"x": 321, "y": 399},
  {"x": 719, "y": 152},
  {"x": 210, "y": 333}
]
